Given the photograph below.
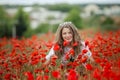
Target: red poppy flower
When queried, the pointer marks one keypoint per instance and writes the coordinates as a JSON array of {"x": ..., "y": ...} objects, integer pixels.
[
  {"x": 39, "y": 78},
  {"x": 56, "y": 74},
  {"x": 88, "y": 66},
  {"x": 75, "y": 44},
  {"x": 84, "y": 51},
  {"x": 67, "y": 56},
  {"x": 49, "y": 45},
  {"x": 54, "y": 57},
  {"x": 56, "y": 47},
  {"x": 96, "y": 74},
  {"x": 86, "y": 43},
  {"x": 29, "y": 75},
  {"x": 72, "y": 75},
  {"x": 65, "y": 43},
  {"x": 7, "y": 76},
  {"x": 72, "y": 52},
  {"x": 45, "y": 77},
  {"x": 84, "y": 59},
  {"x": 46, "y": 70}
]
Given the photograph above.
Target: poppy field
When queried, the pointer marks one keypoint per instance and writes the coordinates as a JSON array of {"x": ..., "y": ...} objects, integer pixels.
[{"x": 23, "y": 59}]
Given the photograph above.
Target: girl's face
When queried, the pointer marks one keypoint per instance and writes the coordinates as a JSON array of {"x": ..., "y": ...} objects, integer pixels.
[{"x": 67, "y": 34}]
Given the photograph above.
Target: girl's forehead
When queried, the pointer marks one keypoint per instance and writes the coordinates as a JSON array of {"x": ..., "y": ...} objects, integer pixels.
[{"x": 66, "y": 28}]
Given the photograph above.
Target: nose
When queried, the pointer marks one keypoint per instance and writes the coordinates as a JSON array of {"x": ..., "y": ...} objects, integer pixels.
[{"x": 67, "y": 35}]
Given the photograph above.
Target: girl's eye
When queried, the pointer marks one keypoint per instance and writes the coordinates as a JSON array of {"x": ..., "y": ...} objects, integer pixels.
[
  {"x": 64, "y": 33},
  {"x": 69, "y": 32}
]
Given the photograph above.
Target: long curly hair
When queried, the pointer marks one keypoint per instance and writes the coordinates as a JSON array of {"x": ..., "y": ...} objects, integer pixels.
[{"x": 59, "y": 40}]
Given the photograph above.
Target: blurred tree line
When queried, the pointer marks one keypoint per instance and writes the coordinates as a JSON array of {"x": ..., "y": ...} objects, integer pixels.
[
  {"x": 21, "y": 21},
  {"x": 5, "y": 23}
]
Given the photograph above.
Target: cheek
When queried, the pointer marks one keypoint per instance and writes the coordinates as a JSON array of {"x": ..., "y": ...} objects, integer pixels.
[
  {"x": 63, "y": 36},
  {"x": 71, "y": 35}
]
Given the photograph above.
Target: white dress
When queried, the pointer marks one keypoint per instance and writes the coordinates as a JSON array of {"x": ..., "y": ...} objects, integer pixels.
[{"x": 66, "y": 49}]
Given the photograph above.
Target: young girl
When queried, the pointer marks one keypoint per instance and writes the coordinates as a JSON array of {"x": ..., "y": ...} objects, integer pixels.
[{"x": 67, "y": 41}]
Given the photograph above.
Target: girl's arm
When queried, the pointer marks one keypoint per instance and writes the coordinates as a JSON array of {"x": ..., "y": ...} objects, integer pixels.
[
  {"x": 48, "y": 58},
  {"x": 88, "y": 53}
]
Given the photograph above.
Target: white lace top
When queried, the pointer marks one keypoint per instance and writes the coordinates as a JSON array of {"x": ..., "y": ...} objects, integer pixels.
[{"x": 66, "y": 49}]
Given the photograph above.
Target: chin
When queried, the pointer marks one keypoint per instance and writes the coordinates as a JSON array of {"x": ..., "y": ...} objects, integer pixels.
[{"x": 69, "y": 40}]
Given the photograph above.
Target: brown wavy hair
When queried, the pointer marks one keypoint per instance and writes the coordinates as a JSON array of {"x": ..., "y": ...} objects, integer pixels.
[{"x": 59, "y": 40}]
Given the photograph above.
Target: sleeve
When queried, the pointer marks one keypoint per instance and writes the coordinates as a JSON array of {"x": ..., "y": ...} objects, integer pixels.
[
  {"x": 51, "y": 53},
  {"x": 89, "y": 54}
]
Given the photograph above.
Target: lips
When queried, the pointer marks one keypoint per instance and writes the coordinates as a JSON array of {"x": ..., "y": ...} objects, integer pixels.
[{"x": 69, "y": 39}]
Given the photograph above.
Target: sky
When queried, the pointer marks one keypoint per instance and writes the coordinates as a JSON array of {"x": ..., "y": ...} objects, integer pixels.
[{"x": 57, "y": 1}]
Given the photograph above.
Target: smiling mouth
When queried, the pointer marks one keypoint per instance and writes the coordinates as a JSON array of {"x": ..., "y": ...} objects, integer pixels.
[{"x": 68, "y": 39}]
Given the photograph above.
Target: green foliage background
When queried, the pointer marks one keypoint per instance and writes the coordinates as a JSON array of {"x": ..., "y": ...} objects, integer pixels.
[{"x": 21, "y": 20}]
